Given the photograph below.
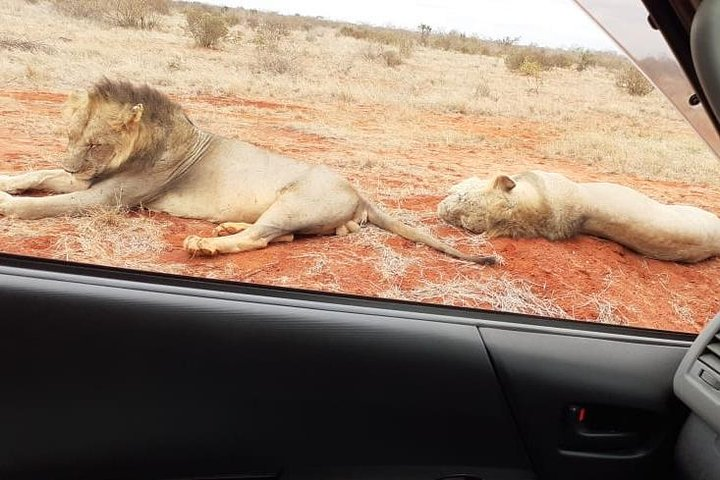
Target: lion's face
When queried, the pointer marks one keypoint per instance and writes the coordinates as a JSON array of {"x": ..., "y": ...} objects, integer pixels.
[
  {"x": 478, "y": 205},
  {"x": 101, "y": 135}
]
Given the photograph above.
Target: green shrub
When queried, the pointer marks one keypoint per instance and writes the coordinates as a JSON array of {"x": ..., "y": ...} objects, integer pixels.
[
  {"x": 207, "y": 28},
  {"x": 533, "y": 70},
  {"x": 546, "y": 59},
  {"x": 633, "y": 82}
]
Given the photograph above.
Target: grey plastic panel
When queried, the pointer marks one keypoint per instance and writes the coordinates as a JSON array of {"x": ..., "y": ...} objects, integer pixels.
[
  {"x": 698, "y": 395},
  {"x": 698, "y": 451}
]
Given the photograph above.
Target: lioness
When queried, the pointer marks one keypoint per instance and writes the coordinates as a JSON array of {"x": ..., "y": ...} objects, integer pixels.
[
  {"x": 543, "y": 204},
  {"x": 131, "y": 145}
]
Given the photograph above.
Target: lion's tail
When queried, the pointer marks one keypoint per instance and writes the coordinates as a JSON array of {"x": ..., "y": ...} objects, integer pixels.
[{"x": 386, "y": 222}]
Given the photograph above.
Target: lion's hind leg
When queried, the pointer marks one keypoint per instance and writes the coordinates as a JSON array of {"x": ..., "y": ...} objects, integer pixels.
[
  {"x": 254, "y": 237},
  {"x": 347, "y": 228},
  {"x": 231, "y": 228}
]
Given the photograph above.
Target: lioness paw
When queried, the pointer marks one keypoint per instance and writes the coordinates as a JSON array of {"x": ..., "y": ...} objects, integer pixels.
[
  {"x": 195, "y": 245},
  {"x": 5, "y": 183},
  {"x": 6, "y": 204}
]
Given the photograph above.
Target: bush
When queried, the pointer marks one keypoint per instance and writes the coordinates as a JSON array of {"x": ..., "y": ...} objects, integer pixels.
[
  {"x": 392, "y": 58},
  {"x": 508, "y": 41},
  {"x": 533, "y": 70},
  {"x": 546, "y": 59},
  {"x": 92, "y": 9},
  {"x": 585, "y": 60},
  {"x": 424, "y": 33},
  {"x": 144, "y": 14},
  {"x": 459, "y": 42},
  {"x": 403, "y": 40},
  {"x": 633, "y": 82},
  {"x": 355, "y": 32},
  {"x": 207, "y": 28},
  {"x": 482, "y": 89},
  {"x": 272, "y": 52},
  {"x": 530, "y": 68}
]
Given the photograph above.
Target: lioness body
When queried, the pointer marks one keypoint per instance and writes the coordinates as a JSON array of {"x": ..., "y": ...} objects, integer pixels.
[
  {"x": 549, "y": 205},
  {"x": 132, "y": 146}
]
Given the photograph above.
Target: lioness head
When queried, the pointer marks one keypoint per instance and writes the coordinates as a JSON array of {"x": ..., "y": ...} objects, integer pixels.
[{"x": 480, "y": 206}]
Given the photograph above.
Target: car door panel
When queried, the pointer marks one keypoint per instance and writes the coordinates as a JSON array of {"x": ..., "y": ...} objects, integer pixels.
[
  {"x": 126, "y": 375},
  {"x": 162, "y": 381},
  {"x": 548, "y": 377}
]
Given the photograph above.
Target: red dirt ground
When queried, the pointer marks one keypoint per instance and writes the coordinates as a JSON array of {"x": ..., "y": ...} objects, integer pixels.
[{"x": 589, "y": 278}]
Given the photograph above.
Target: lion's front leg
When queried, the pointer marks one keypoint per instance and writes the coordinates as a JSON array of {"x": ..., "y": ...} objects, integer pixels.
[
  {"x": 54, "y": 205},
  {"x": 54, "y": 181}
]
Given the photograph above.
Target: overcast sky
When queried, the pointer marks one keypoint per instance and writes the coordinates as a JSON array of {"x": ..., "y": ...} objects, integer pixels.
[{"x": 553, "y": 23}]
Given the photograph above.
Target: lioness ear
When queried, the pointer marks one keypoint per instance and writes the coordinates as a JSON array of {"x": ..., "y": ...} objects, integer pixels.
[{"x": 504, "y": 183}]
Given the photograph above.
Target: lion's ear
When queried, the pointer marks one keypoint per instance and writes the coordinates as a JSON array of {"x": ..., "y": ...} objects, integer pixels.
[
  {"x": 504, "y": 183},
  {"x": 137, "y": 112},
  {"x": 130, "y": 116}
]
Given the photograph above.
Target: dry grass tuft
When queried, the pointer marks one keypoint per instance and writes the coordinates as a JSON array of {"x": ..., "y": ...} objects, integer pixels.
[
  {"x": 7, "y": 43},
  {"x": 505, "y": 294},
  {"x": 112, "y": 236}
]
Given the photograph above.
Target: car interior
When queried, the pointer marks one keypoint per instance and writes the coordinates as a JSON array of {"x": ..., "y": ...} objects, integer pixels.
[{"x": 120, "y": 374}]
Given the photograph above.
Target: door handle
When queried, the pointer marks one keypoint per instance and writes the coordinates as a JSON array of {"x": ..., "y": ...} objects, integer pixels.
[{"x": 604, "y": 429}]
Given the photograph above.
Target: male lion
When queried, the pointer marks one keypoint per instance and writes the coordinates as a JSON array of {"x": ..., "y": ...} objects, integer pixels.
[
  {"x": 131, "y": 145},
  {"x": 543, "y": 204}
]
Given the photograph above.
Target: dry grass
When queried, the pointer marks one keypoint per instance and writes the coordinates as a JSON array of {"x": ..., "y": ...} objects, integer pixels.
[
  {"x": 7, "y": 43},
  {"x": 504, "y": 294},
  {"x": 649, "y": 155},
  {"x": 101, "y": 235},
  {"x": 111, "y": 236}
]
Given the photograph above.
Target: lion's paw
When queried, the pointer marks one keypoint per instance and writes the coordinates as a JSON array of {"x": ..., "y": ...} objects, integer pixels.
[
  {"x": 195, "y": 245},
  {"x": 230, "y": 228}
]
